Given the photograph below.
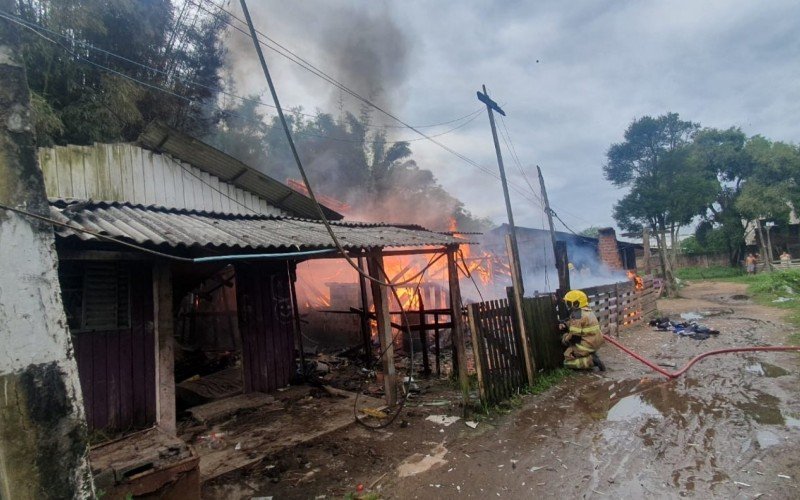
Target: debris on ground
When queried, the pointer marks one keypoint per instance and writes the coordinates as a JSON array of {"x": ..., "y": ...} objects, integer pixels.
[{"x": 442, "y": 419}]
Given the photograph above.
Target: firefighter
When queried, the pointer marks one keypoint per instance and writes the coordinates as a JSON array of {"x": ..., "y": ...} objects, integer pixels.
[{"x": 582, "y": 335}]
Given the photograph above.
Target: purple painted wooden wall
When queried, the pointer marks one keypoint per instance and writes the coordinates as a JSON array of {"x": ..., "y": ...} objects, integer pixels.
[
  {"x": 117, "y": 367},
  {"x": 265, "y": 323}
]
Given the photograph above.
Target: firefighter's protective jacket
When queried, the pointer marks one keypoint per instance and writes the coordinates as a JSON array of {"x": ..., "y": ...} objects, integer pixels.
[{"x": 586, "y": 326}]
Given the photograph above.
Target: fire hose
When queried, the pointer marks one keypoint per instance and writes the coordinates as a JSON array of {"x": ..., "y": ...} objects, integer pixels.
[{"x": 676, "y": 374}]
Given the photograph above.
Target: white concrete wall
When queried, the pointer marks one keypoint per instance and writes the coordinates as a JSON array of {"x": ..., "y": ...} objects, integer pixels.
[{"x": 126, "y": 172}]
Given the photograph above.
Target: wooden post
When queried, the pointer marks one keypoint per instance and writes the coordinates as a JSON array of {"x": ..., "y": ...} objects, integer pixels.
[
  {"x": 298, "y": 332},
  {"x": 646, "y": 245},
  {"x": 458, "y": 326},
  {"x": 530, "y": 363},
  {"x": 423, "y": 336},
  {"x": 165, "y": 355},
  {"x": 562, "y": 266},
  {"x": 366, "y": 334},
  {"x": 380, "y": 297},
  {"x": 436, "y": 340}
]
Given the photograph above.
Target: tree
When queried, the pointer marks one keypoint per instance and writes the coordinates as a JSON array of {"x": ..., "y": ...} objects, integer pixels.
[
  {"x": 667, "y": 189},
  {"x": 346, "y": 160},
  {"x": 176, "y": 47},
  {"x": 591, "y": 232}
]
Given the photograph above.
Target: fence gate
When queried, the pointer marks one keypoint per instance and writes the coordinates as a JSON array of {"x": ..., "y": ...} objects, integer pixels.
[{"x": 498, "y": 351}]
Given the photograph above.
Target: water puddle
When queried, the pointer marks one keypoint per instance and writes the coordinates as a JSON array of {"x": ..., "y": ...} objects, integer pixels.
[
  {"x": 766, "y": 370},
  {"x": 766, "y": 439},
  {"x": 630, "y": 408},
  {"x": 792, "y": 420},
  {"x": 691, "y": 316},
  {"x": 763, "y": 410}
]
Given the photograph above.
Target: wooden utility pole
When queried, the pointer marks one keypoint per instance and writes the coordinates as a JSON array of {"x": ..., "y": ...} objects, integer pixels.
[
  {"x": 561, "y": 267},
  {"x": 492, "y": 106},
  {"x": 43, "y": 441}
]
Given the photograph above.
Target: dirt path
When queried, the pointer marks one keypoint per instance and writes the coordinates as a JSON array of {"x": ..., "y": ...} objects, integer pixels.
[{"x": 728, "y": 429}]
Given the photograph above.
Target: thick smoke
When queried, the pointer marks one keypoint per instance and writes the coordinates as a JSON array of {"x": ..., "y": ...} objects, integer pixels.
[{"x": 362, "y": 47}]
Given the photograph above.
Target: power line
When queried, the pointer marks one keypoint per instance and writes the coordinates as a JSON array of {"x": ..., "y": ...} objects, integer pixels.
[
  {"x": 34, "y": 28},
  {"x": 293, "y": 57}
]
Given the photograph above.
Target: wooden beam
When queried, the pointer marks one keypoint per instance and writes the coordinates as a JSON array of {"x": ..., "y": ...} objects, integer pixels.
[
  {"x": 380, "y": 297},
  {"x": 458, "y": 326},
  {"x": 366, "y": 334},
  {"x": 165, "y": 345}
]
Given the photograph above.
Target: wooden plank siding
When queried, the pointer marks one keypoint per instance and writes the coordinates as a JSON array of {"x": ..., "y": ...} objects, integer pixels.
[
  {"x": 117, "y": 367},
  {"x": 266, "y": 325},
  {"x": 620, "y": 305},
  {"x": 128, "y": 173}
]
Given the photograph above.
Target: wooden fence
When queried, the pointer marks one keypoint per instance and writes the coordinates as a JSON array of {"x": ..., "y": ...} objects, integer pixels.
[
  {"x": 498, "y": 350},
  {"x": 620, "y": 305},
  {"x": 497, "y": 344}
]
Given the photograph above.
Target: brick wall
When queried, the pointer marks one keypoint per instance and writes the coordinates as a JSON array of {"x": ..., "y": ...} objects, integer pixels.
[{"x": 607, "y": 248}]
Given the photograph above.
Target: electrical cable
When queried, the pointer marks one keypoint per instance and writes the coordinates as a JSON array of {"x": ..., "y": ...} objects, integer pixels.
[
  {"x": 389, "y": 346},
  {"x": 88, "y": 46},
  {"x": 321, "y": 74},
  {"x": 34, "y": 27}
]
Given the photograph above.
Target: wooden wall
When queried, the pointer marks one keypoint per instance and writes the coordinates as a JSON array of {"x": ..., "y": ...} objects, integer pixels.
[
  {"x": 126, "y": 172},
  {"x": 266, "y": 324},
  {"x": 117, "y": 367}
]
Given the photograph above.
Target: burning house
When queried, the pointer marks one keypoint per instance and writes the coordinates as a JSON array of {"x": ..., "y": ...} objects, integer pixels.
[
  {"x": 593, "y": 261},
  {"x": 178, "y": 266}
]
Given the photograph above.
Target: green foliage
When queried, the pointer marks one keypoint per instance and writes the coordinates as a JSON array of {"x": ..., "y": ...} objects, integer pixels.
[
  {"x": 706, "y": 240},
  {"x": 545, "y": 381},
  {"x": 77, "y": 102},
  {"x": 784, "y": 283},
  {"x": 591, "y": 232},
  {"x": 347, "y": 161},
  {"x": 703, "y": 273}
]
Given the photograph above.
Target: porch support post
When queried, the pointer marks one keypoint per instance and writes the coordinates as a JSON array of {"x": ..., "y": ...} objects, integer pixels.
[
  {"x": 458, "y": 324},
  {"x": 380, "y": 297},
  {"x": 165, "y": 347}
]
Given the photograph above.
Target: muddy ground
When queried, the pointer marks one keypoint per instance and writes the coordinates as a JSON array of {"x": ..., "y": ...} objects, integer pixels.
[{"x": 730, "y": 428}]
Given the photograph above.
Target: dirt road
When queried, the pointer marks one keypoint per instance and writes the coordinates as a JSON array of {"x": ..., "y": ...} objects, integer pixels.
[{"x": 729, "y": 429}]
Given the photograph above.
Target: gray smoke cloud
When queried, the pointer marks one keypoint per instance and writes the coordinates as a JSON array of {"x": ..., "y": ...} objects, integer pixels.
[{"x": 364, "y": 48}]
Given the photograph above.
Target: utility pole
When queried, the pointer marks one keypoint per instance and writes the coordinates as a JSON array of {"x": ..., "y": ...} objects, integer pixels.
[
  {"x": 492, "y": 106},
  {"x": 561, "y": 267},
  {"x": 43, "y": 445}
]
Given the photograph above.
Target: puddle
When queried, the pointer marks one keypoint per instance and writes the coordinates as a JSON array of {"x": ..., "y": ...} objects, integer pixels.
[
  {"x": 766, "y": 370},
  {"x": 630, "y": 408},
  {"x": 792, "y": 420},
  {"x": 764, "y": 410},
  {"x": 691, "y": 316},
  {"x": 766, "y": 439}
]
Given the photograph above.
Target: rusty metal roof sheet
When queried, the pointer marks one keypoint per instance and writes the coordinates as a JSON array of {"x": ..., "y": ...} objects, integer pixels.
[
  {"x": 164, "y": 139},
  {"x": 180, "y": 228}
]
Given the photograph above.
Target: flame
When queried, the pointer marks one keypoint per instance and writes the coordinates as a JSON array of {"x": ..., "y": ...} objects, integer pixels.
[{"x": 637, "y": 280}]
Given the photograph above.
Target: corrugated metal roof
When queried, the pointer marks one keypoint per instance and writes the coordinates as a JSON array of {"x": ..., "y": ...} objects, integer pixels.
[
  {"x": 161, "y": 138},
  {"x": 178, "y": 228}
]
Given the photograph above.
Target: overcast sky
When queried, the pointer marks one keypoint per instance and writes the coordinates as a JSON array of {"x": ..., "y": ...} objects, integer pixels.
[{"x": 719, "y": 63}]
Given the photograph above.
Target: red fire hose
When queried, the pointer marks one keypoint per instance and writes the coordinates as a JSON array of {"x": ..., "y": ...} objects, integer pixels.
[{"x": 694, "y": 360}]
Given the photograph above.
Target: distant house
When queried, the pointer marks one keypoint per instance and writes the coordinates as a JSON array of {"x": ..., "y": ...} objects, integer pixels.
[
  {"x": 536, "y": 248},
  {"x": 176, "y": 196}
]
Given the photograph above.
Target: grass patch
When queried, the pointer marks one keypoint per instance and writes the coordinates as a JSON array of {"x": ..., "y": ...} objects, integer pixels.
[
  {"x": 765, "y": 288},
  {"x": 708, "y": 273},
  {"x": 547, "y": 380}
]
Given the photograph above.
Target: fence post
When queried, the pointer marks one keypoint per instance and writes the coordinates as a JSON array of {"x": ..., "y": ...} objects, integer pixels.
[{"x": 530, "y": 365}]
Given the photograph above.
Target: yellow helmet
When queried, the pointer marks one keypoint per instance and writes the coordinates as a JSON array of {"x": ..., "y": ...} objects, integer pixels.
[{"x": 576, "y": 299}]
